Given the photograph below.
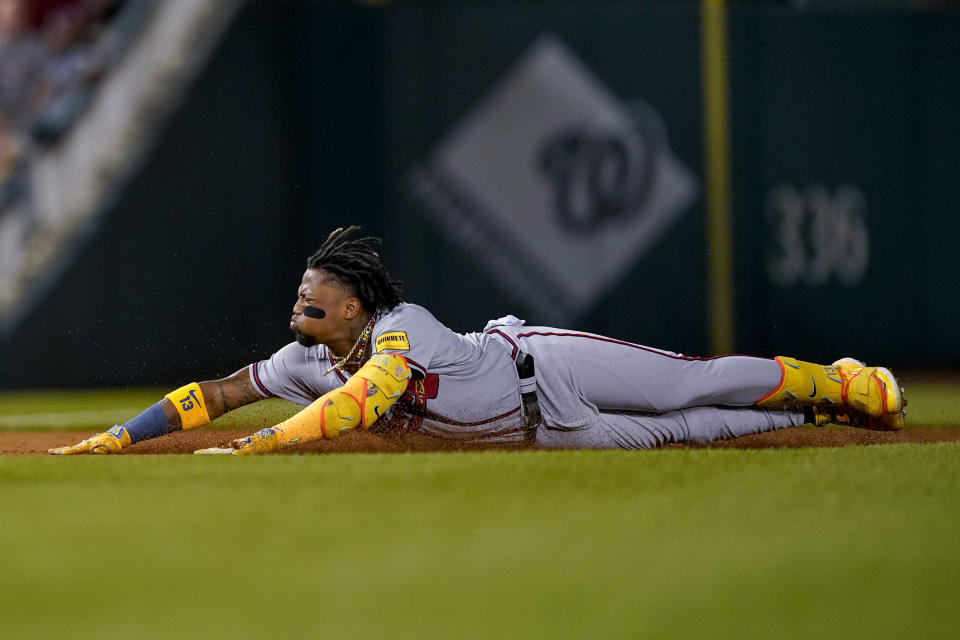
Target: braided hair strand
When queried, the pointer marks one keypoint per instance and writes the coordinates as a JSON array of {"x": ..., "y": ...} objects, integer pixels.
[{"x": 354, "y": 263}]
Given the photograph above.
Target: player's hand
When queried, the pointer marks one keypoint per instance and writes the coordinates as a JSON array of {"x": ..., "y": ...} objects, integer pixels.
[
  {"x": 263, "y": 441},
  {"x": 112, "y": 441}
]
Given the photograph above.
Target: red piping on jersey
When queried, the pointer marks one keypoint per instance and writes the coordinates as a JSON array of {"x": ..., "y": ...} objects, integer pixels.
[
  {"x": 513, "y": 354},
  {"x": 626, "y": 344},
  {"x": 256, "y": 380}
]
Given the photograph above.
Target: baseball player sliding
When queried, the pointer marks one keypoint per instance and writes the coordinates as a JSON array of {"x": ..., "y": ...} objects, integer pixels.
[{"x": 364, "y": 359}]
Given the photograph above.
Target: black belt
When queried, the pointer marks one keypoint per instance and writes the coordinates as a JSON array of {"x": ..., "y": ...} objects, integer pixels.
[{"x": 528, "y": 393}]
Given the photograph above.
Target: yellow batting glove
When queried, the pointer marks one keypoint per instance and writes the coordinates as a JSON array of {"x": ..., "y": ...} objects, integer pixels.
[
  {"x": 112, "y": 441},
  {"x": 263, "y": 441}
]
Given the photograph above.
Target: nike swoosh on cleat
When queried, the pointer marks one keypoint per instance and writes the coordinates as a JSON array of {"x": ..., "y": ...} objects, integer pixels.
[{"x": 814, "y": 387}]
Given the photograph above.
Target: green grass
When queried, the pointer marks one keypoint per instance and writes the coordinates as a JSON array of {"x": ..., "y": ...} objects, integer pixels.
[
  {"x": 856, "y": 542},
  {"x": 933, "y": 405}
]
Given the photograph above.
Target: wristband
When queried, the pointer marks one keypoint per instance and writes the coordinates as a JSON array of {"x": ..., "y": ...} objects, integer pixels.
[
  {"x": 189, "y": 403},
  {"x": 152, "y": 423}
]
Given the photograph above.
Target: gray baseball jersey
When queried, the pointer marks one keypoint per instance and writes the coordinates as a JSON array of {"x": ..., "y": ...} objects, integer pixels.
[
  {"x": 464, "y": 386},
  {"x": 594, "y": 391}
]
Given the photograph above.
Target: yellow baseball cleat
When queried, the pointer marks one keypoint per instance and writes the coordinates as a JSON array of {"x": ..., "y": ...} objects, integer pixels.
[
  {"x": 824, "y": 415},
  {"x": 846, "y": 383},
  {"x": 872, "y": 390}
]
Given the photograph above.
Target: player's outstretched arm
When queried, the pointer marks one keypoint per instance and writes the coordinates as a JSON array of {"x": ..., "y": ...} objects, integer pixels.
[
  {"x": 365, "y": 397},
  {"x": 189, "y": 407}
]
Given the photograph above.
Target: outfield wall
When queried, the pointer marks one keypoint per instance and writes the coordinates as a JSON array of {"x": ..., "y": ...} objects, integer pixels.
[{"x": 533, "y": 159}]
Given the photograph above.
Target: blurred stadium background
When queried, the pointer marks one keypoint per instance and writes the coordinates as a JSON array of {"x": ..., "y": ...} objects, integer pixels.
[{"x": 166, "y": 166}]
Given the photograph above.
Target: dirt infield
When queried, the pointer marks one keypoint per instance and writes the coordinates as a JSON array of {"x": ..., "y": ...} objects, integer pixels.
[{"x": 26, "y": 443}]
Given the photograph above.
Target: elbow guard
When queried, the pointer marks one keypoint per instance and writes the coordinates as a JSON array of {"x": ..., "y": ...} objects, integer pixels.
[
  {"x": 365, "y": 397},
  {"x": 359, "y": 403}
]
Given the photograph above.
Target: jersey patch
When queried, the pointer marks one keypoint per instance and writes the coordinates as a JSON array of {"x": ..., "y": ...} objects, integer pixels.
[{"x": 396, "y": 340}]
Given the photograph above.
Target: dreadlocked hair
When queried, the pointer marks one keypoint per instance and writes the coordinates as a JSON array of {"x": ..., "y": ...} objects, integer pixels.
[{"x": 356, "y": 264}]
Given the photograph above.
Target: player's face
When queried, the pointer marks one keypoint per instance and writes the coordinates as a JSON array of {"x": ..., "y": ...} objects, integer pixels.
[{"x": 338, "y": 304}]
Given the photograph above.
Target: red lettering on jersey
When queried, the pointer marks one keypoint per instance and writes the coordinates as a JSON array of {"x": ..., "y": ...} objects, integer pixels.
[
  {"x": 431, "y": 386},
  {"x": 409, "y": 410}
]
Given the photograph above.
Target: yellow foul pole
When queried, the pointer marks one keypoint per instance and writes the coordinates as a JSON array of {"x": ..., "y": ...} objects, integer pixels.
[{"x": 716, "y": 127}]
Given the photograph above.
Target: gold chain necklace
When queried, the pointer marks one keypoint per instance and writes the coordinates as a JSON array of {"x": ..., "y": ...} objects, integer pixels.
[{"x": 358, "y": 349}]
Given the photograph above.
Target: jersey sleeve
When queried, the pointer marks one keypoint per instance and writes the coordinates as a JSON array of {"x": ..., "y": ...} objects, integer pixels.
[
  {"x": 412, "y": 332},
  {"x": 293, "y": 373}
]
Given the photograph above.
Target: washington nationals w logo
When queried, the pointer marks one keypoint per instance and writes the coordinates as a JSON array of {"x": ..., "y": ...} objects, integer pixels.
[{"x": 597, "y": 176}]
